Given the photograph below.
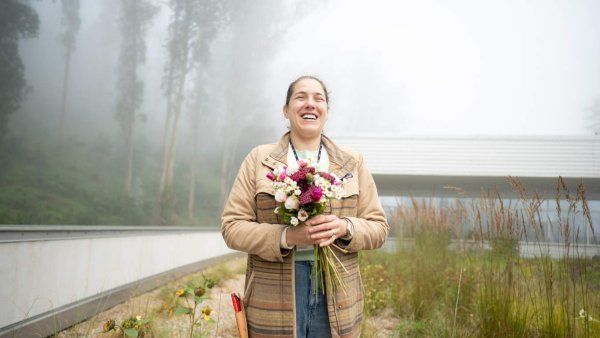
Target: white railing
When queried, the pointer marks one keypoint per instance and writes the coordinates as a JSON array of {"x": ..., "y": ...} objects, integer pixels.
[{"x": 47, "y": 270}]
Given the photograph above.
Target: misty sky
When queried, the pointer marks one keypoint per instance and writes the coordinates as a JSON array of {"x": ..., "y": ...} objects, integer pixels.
[
  {"x": 430, "y": 67},
  {"x": 451, "y": 67}
]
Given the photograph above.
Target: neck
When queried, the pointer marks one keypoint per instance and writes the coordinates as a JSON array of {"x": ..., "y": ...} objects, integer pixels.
[{"x": 305, "y": 143}]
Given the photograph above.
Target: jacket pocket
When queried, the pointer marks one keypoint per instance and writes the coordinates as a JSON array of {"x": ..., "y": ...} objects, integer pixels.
[
  {"x": 265, "y": 202},
  {"x": 348, "y": 205}
]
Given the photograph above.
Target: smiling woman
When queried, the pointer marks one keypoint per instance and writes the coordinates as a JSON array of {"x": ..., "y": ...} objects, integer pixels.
[{"x": 279, "y": 296}]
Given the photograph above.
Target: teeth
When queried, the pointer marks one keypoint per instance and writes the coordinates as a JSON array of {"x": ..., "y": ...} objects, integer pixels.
[{"x": 309, "y": 117}]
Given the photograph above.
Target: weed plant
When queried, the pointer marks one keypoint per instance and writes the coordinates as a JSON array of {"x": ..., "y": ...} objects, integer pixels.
[{"x": 441, "y": 282}]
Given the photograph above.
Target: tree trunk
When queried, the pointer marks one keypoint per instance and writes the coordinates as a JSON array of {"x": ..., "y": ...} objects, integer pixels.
[
  {"x": 192, "y": 196},
  {"x": 63, "y": 110},
  {"x": 165, "y": 194},
  {"x": 129, "y": 174}
]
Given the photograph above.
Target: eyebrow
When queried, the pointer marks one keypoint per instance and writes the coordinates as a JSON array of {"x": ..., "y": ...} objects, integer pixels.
[{"x": 305, "y": 93}]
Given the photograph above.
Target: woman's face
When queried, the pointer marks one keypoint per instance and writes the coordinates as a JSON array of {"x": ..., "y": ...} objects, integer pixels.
[{"x": 307, "y": 109}]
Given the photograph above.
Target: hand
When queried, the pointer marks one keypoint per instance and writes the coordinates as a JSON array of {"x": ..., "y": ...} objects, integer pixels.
[
  {"x": 325, "y": 229},
  {"x": 298, "y": 236}
]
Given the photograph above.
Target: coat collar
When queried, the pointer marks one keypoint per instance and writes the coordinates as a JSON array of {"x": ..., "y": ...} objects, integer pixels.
[{"x": 341, "y": 161}]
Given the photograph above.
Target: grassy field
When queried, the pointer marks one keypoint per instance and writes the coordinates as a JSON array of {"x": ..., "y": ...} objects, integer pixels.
[{"x": 434, "y": 289}]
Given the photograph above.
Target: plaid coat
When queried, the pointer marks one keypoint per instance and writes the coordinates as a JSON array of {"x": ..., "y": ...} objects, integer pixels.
[{"x": 250, "y": 225}]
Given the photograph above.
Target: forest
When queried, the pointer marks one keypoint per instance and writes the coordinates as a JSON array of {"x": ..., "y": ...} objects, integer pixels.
[{"x": 139, "y": 115}]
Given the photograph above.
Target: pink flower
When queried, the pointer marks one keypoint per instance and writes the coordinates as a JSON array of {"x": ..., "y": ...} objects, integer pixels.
[
  {"x": 302, "y": 215},
  {"x": 271, "y": 176},
  {"x": 312, "y": 194},
  {"x": 282, "y": 176},
  {"x": 302, "y": 163},
  {"x": 292, "y": 203},
  {"x": 316, "y": 194},
  {"x": 280, "y": 195}
]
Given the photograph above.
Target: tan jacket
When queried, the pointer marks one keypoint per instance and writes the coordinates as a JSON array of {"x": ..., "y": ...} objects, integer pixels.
[{"x": 249, "y": 224}]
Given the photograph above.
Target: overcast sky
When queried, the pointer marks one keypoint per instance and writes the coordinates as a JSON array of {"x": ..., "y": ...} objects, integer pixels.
[
  {"x": 450, "y": 67},
  {"x": 430, "y": 67}
]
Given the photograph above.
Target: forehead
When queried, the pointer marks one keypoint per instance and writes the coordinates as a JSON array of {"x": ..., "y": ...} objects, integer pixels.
[{"x": 310, "y": 86}]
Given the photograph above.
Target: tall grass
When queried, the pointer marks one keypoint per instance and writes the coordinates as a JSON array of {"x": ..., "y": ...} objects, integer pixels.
[{"x": 451, "y": 282}]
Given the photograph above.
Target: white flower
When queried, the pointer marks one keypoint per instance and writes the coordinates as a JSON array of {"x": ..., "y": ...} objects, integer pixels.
[
  {"x": 276, "y": 210},
  {"x": 292, "y": 168},
  {"x": 294, "y": 221},
  {"x": 338, "y": 195},
  {"x": 292, "y": 203},
  {"x": 280, "y": 195},
  {"x": 297, "y": 192},
  {"x": 582, "y": 313},
  {"x": 302, "y": 215}
]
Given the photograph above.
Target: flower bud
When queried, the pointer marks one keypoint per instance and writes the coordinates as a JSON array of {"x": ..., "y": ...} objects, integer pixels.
[
  {"x": 108, "y": 326},
  {"x": 199, "y": 291}
]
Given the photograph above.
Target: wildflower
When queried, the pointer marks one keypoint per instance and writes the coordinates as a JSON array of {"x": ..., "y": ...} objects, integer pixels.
[
  {"x": 302, "y": 215},
  {"x": 138, "y": 318},
  {"x": 209, "y": 282},
  {"x": 108, "y": 326},
  {"x": 180, "y": 293},
  {"x": 280, "y": 195},
  {"x": 292, "y": 203},
  {"x": 206, "y": 311},
  {"x": 294, "y": 221},
  {"x": 199, "y": 291}
]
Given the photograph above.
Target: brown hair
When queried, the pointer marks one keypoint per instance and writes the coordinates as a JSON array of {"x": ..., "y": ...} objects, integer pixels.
[{"x": 290, "y": 90}]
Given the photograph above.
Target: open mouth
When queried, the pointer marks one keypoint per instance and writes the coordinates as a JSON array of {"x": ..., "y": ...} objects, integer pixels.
[{"x": 309, "y": 116}]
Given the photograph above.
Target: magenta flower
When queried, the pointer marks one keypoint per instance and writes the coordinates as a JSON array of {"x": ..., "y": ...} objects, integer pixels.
[
  {"x": 316, "y": 193},
  {"x": 282, "y": 176},
  {"x": 271, "y": 176}
]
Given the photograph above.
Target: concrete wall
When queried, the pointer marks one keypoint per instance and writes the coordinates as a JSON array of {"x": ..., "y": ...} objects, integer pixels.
[{"x": 39, "y": 273}]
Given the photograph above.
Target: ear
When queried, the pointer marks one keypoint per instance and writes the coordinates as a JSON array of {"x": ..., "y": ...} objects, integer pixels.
[{"x": 284, "y": 110}]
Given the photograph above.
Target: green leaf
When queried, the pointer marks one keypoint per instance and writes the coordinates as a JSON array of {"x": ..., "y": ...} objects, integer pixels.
[
  {"x": 210, "y": 320},
  {"x": 145, "y": 321},
  {"x": 131, "y": 333},
  {"x": 182, "y": 310},
  {"x": 198, "y": 299}
]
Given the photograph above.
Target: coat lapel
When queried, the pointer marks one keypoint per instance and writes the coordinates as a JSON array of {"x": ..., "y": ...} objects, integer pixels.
[{"x": 340, "y": 162}]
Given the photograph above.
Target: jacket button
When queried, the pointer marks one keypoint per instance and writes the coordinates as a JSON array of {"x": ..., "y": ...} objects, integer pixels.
[{"x": 339, "y": 306}]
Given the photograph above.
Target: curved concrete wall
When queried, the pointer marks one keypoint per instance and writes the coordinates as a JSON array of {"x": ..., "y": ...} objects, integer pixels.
[{"x": 44, "y": 268}]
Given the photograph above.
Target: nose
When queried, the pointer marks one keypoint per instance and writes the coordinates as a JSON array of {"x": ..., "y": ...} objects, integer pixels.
[{"x": 310, "y": 102}]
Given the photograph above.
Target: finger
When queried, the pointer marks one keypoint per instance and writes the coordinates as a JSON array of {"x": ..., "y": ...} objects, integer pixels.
[
  {"x": 321, "y": 219},
  {"x": 324, "y": 227},
  {"x": 328, "y": 241},
  {"x": 326, "y": 233}
]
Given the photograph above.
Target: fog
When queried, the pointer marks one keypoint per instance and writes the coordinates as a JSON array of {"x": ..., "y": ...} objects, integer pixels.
[{"x": 392, "y": 68}]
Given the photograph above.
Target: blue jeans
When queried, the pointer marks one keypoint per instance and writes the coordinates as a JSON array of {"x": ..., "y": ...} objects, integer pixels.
[{"x": 312, "y": 319}]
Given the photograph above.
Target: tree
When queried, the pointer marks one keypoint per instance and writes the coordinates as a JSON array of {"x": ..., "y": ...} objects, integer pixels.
[
  {"x": 70, "y": 23},
  {"x": 258, "y": 30},
  {"x": 134, "y": 20},
  {"x": 193, "y": 26},
  {"x": 213, "y": 18},
  {"x": 17, "y": 20}
]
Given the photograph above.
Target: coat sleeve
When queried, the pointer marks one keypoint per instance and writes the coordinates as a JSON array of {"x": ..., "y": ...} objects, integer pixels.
[
  {"x": 238, "y": 222},
  {"x": 370, "y": 226}
]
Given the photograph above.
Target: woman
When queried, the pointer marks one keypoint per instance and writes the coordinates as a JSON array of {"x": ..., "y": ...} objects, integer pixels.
[{"x": 278, "y": 294}]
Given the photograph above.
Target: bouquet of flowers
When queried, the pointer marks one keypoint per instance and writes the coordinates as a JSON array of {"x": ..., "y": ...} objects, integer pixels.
[{"x": 302, "y": 192}]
